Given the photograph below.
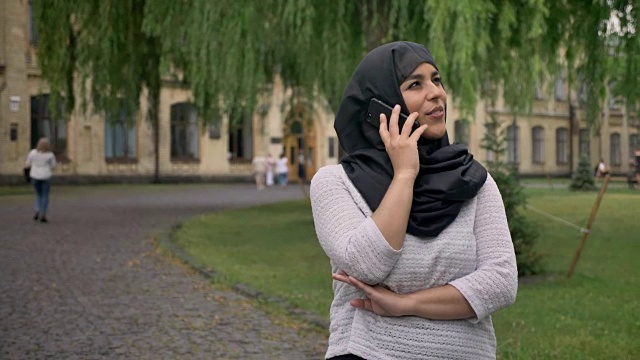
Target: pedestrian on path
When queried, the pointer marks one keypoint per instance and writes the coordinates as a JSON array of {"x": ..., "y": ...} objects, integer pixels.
[
  {"x": 414, "y": 228},
  {"x": 41, "y": 162},
  {"x": 259, "y": 170},
  {"x": 282, "y": 170},
  {"x": 271, "y": 168}
]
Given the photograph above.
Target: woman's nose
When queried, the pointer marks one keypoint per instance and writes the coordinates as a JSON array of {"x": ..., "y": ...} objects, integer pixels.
[{"x": 435, "y": 92}]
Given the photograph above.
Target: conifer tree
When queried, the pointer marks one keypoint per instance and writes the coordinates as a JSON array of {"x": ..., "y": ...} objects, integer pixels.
[
  {"x": 523, "y": 232},
  {"x": 583, "y": 178}
]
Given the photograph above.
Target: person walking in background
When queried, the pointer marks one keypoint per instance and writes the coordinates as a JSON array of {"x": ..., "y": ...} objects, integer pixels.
[
  {"x": 601, "y": 170},
  {"x": 271, "y": 168},
  {"x": 41, "y": 162},
  {"x": 259, "y": 170},
  {"x": 302, "y": 166},
  {"x": 414, "y": 227},
  {"x": 282, "y": 170},
  {"x": 637, "y": 163}
]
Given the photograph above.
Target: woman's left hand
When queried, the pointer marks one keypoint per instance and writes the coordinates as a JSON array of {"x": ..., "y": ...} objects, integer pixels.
[{"x": 381, "y": 300}]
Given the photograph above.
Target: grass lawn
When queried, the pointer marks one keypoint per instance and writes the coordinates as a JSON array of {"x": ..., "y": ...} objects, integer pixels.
[
  {"x": 16, "y": 189},
  {"x": 593, "y": 315}
]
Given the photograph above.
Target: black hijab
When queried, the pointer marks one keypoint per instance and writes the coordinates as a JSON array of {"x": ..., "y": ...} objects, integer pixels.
[{"x": 448, "y": 174}]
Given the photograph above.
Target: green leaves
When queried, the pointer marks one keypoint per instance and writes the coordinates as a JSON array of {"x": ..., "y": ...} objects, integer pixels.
[{"x": 225, "y": 51}]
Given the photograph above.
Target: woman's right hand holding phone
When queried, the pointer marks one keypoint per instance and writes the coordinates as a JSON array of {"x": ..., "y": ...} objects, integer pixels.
[
  {"x": 401, "y": 144},
  {"x": 392, "y": 215}
]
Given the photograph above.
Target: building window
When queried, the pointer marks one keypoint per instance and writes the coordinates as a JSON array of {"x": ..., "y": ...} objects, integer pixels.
[
  {"x": 562, "y": 146},
  {"x": 491, "y": 132},
  {"x": 215, "y": 130},
  {"x": 461, "y": 129},
  {"x": 184, "y": 132},
  {"x": 538, "y": 144},
  {"x": 120, "y": 137},
  {"x": 42, "y": 125},
  {"x": 584, "y": 144},
  {"x": 614, "y": 102},
  {"x": 512, "y": 144},
  {"x": 33, "y": 32},
  {"x": 615, "y": 151},
  {"x": 560, "y": 87},
  {"x": 582, "y": 89},
  {"x": 539, "y": 91},
  {"x": 240, "y": 139},
  {"x": 332, "y": 147},
  {"x": 633, "y": 145}
]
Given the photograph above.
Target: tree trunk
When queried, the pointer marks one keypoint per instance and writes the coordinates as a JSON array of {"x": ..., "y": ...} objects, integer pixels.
[
  {"x": 154, "y": 84},
  {"x": 375, "y": 21}
]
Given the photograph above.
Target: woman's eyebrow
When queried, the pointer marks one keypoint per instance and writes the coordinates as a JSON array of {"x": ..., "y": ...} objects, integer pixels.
[{"x": 419, "y": 76}]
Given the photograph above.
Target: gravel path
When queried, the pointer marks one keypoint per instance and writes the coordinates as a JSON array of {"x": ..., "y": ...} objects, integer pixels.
[{"x": 92, "y": 285}]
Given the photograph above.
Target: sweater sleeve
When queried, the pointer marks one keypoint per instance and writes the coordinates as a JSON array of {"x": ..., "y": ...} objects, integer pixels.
[
  {"x": 494, "y": 283},
  {"x": 349, "y": 238}
]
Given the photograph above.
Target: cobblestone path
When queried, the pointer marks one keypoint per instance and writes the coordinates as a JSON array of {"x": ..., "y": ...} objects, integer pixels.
[{"x": 92, "y": 285}]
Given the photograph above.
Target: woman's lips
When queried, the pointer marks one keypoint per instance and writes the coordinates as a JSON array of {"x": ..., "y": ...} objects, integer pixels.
[{"x": 436, "y": 114}]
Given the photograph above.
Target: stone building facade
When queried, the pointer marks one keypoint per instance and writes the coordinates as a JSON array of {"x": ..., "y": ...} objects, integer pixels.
[{"x": 546, "y": 142}]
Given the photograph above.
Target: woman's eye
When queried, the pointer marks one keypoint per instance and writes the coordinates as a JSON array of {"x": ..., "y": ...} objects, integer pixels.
[
  {"x": 414, "y": 84},
  {"x": 437, "y": 80}
]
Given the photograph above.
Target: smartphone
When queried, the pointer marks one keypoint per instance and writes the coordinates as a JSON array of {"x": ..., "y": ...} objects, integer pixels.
[{"x": 377, "y": 107}]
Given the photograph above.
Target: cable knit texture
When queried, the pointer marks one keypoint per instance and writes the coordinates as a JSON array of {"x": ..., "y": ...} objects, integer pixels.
[{"x": 474, "y": 254}]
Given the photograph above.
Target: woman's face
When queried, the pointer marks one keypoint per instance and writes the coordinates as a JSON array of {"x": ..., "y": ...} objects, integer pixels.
[{"x": 423, "y": 93}]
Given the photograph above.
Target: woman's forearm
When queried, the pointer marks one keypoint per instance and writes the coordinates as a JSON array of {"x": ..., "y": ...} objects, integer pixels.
[
  {"x": 392, "y": 215},
  {"x": 439, "y": 303}
]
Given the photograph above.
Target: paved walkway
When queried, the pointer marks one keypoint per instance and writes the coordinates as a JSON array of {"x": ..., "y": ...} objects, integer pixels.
[{"x": 91, "y": 284}]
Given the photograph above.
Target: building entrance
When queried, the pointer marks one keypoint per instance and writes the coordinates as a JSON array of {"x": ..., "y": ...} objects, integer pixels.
[{"x": 299, "y": 145}]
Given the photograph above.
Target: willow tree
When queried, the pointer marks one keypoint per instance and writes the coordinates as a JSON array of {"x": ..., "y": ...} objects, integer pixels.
[
  {"x": 99, "y": 53},
  {"x": 227, "y": 51}
]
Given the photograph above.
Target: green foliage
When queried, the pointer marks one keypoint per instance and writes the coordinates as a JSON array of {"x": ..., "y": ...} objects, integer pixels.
[
  {"x": 523, "y": 232},
  {"x": 583, "y": 178},
  {"x": 226, "y": 51},
  {"x": 103, "y": 43}
]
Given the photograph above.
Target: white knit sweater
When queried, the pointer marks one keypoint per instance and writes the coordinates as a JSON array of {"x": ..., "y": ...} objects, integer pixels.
[{"x": 474, "y": 254}]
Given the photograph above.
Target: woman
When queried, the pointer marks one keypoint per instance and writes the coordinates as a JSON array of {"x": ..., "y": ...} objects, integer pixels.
[
  {"x": 282, "y": 170},
  {"x": 415, "y": 229},
  {"x": 41, "y": 161},
  {"x": 271, "y": 166}
]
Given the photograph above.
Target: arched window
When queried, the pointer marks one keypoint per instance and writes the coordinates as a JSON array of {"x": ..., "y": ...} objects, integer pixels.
[
  {"x": 42, "y": 124},
  {"x": 614, "y": 102},
  {"x": 512, "y": 144},
  {"x": 33, "y": 33},
  {"x": 184, "y": 132},
  {"x": 562, "y": 146},
  {"x": 584, "y": 144},
  {"x": 614, "y": 148},
  {"x": 560, "y": 86},
  {"x": 120, "y": 137},
  {"x": 240, "y": 138},
  {"x": 633, "y": 145},
  {"x": 461, "y": 131},
  {"x": 537, "y": 137}
]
